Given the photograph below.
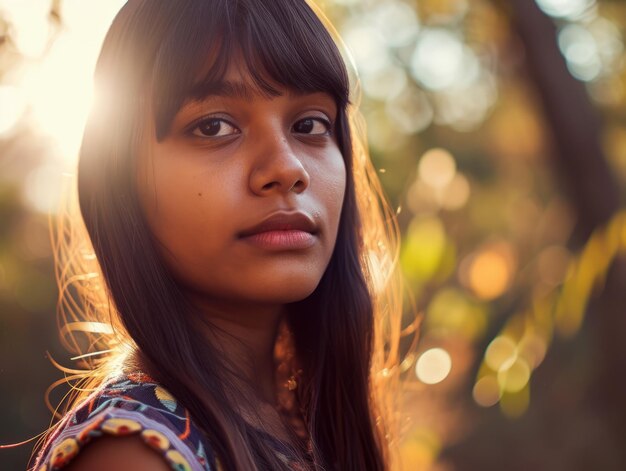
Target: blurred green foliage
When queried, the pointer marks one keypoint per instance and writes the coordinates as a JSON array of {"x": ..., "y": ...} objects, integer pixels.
[{"x": 466, "y": 150}]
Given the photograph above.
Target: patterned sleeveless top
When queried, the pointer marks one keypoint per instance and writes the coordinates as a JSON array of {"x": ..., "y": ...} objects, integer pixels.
[{"x": 136, "y": 404}]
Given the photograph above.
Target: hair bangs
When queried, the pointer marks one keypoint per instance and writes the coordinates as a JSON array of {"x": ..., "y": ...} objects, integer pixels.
[{"x": 280, "y": 47}]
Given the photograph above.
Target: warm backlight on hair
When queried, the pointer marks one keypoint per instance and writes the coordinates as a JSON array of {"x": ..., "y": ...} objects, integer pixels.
[{"x": 51, "y": 90}]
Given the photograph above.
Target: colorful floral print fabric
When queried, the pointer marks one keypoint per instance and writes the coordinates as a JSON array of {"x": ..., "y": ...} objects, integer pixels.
[{"x": 132, "y": 404}]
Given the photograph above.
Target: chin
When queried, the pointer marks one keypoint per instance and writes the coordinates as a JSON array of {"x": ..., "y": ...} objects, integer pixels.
[{"x": 288, "y": 290}]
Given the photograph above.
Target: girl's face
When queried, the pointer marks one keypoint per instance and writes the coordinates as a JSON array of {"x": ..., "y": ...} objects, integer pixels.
[{"x": 244, "y": 194}]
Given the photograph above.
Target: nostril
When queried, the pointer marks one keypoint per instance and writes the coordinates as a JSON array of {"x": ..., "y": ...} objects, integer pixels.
[
  {"x": 297, "y": 186},
  {"x": 269, "y": 186}
]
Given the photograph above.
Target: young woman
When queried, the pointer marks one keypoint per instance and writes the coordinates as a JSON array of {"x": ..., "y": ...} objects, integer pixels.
[{"x": 237, "y": 279}]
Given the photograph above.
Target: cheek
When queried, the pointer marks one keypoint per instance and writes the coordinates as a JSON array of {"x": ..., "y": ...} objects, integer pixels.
[
  {"x": 333, "y": 181},
  {"x": 194, "y": 213},
  {"x": 183, "y": 212}
]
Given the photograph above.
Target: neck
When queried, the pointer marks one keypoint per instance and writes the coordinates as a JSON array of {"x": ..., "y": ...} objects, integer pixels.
[{"x": 246, "y": 335}]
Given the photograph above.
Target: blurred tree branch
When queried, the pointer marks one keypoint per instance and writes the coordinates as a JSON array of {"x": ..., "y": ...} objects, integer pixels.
[
  {"x": 578, "y": 156},
  {"x": 581, "y": 166}
]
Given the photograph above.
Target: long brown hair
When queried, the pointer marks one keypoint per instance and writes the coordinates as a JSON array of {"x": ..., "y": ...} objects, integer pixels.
[{"x": 346, "y": 334}]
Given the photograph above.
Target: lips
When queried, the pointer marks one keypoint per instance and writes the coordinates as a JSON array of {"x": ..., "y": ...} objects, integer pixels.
[{"x": 282, "y": 221}]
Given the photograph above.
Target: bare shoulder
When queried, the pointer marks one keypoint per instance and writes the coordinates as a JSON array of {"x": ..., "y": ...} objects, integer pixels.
[{"x": 128, "y": 453}]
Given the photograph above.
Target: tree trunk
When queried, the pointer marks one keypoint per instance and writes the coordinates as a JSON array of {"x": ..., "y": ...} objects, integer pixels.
[{"x": 593, "y": 192}]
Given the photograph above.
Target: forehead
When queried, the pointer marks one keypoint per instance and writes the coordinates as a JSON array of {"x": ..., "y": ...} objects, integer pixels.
[{"x": 232, "y": 69}]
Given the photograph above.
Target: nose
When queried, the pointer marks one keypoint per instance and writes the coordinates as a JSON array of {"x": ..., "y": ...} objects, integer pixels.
[{"x": 278, "y": 169}]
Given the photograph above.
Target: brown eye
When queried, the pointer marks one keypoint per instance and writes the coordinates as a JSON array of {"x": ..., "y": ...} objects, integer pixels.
[
  {"x": 214, "y": 127},
  {"x": 313, "y": 126}
]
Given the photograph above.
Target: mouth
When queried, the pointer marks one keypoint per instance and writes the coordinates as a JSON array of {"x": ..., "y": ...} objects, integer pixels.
[
  {"x": 282, "y": 231},
  {"x": 282, "y": 222}
]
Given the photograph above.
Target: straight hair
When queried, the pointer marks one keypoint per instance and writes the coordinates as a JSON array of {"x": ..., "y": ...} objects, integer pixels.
[{"x": 157, "y": 55}]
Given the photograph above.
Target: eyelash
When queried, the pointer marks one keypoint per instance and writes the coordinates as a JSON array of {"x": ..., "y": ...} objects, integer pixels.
[{"x": 208, "y": 119}]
